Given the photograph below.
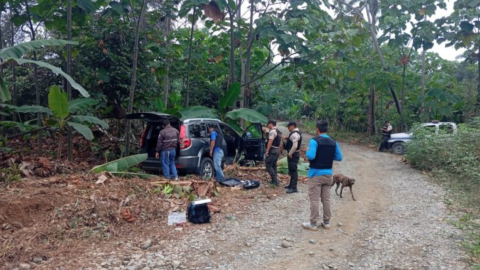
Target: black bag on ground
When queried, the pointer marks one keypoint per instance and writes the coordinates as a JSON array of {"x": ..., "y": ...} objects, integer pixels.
[
  {"x": 198, "y": 213},
  {"x": 250, "y": 184},
  {"x": 247, "y": 184}
]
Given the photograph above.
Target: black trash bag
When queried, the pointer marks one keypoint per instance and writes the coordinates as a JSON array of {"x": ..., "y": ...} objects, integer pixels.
[
  {"x": 247, "y": 184},
  {"x": 198, "y": 213}
]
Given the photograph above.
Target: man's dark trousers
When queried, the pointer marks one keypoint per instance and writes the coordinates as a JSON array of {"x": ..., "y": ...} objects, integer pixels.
[
  {"x": 293, "y": 170},
  {"x": 384, "y": 143},
  {"x": 271, "y": 165}
]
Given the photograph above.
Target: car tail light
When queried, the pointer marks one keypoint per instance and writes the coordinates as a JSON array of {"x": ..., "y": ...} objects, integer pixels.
[
  {"x": 184, "y": 141},
  {"x": 142, "y": 138}
]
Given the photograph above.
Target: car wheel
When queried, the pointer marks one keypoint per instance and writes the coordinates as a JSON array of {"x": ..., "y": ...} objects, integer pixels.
[
  {"x": 206, "y": 169},
  {"x": 398, "y": 148}
]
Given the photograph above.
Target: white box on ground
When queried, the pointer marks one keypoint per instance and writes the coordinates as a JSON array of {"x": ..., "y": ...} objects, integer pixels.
[{"x": 177, "y": 218}]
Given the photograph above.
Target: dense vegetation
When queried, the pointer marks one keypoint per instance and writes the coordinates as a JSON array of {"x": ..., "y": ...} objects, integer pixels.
[
  {"x": 356, "y": 63},
  {"x": 79, "y": 66}
]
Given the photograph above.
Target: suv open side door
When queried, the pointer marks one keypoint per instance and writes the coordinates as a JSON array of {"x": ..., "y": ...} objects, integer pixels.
[{"x": 254, "y": 142}]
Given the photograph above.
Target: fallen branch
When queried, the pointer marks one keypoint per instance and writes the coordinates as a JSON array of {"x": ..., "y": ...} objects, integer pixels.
[{"x": 177, "y": 183}]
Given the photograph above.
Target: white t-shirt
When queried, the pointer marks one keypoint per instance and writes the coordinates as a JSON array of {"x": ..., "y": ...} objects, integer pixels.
[{"x": 272, "y": 134}]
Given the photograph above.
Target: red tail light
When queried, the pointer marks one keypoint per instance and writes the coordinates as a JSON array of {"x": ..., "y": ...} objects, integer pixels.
[
  {"x": 142, "y": 139},
  {"x": 184, "y": 141}
]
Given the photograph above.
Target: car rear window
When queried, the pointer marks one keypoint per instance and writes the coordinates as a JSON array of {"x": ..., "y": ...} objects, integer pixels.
[{"x": 197, "y": 131}]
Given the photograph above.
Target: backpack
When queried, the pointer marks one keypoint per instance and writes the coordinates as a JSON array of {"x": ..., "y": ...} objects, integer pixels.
[{"x": 198, "y": 213}]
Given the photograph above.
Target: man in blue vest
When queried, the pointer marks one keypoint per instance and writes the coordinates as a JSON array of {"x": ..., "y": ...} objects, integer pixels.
[
  {"x": 322, "y": 151},
  {"x": 216, "y": 152}
]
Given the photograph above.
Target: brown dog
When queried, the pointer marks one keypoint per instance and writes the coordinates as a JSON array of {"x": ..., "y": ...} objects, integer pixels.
[{"x": 345, "y": 181}]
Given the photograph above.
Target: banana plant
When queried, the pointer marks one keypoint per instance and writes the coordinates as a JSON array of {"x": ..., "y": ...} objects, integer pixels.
[
  {"x": 15, "y": 54},
  {"x": 60, "y": 116}
]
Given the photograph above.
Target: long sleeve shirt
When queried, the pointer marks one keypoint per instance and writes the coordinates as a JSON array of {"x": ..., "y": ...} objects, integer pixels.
[
  {"x": 312, "y": 152},
  {"x": 167, "y": 139}
]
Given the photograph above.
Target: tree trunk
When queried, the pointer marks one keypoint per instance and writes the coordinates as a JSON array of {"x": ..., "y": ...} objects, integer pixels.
[
  {"x": 1, "y": 68},
  {"x": 422, "y": 109},
  {"x": 166, "y": 82},
  {"x": 69, "y": 72},
  {"x": 190, "y": 56},
  {"x": 371, "y": 111},
  {"x": 60, "y": 144},
  {"x": 35, "y": 79},
  {"x": 232, "y": 49},
  {"x": 14, "y": 75},
  {"x": 248, "y": 56},
  {"x": 134, "y": 73},
  {"x": 373, "y": 33}
]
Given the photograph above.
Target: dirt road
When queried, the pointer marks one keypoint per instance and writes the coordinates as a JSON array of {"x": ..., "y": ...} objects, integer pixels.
[{"x": 399, "y": 221}]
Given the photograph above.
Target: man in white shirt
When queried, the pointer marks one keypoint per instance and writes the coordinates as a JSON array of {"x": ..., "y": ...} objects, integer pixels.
[
  {"x": 274, "y": 140},
  {"x": 386, "y": 132},
  {"x": 292, "y": 145}
]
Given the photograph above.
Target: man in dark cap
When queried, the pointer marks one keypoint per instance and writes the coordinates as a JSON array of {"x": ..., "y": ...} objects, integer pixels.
[{"x": 293, "y": 145}]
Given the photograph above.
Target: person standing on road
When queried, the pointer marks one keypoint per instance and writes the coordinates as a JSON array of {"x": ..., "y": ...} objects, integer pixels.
[
  {"x": 386, "y": 132},
  {"x": 322, "y": 151},
  {"x": 293, "y": 144},
  {"x": 274, "y": 140},
  {"x": 216, "y": 152},
  {"x": 167, "y": 148}
]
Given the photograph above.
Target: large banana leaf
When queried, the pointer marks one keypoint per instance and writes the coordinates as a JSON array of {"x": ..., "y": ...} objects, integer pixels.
[
  {"x": 234, "y": 124},
  {"x": 122, "y": 164},
  {"x": 230, "y": 97},
  {"x": 82, "y": 129},
  {"x": 160, "y": 104},
  {"x": 90, "y": 119},
  {"x": 8, "y": 107},
  {"x": 249, "y": 115},
  {"x": 21, "y": 126},
  {"x": 197, "y": 112},
  {"x": 4, "y": 93},
  {"x": 58, "y": 102},
  {"x": 55, "y": 70},
  {"x": 33, "y": 109},
  {"x": 81, "y": 104},
  {"x": 19, "y": 50}
]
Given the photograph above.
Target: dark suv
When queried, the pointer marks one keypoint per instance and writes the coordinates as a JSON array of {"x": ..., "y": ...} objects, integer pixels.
[{"x": 193, "y": 151}]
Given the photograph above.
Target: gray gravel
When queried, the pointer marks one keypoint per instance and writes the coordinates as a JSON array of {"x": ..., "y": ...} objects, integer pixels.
[{"x": 399, "y": 221}]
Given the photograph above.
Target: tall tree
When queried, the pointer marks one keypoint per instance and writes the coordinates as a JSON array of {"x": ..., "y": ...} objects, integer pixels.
[
  {"x": 134, "y": 70},
  {"x": 69, "y": 72},
  {"x": 464, "y": 32}
]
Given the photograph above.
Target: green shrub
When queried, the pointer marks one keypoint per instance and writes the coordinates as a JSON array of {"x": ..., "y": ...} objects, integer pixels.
[{"x": 457, "y": 154}]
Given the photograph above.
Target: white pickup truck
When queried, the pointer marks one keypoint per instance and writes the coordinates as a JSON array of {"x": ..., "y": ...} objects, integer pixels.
[{"x": 397, "y": 140}]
